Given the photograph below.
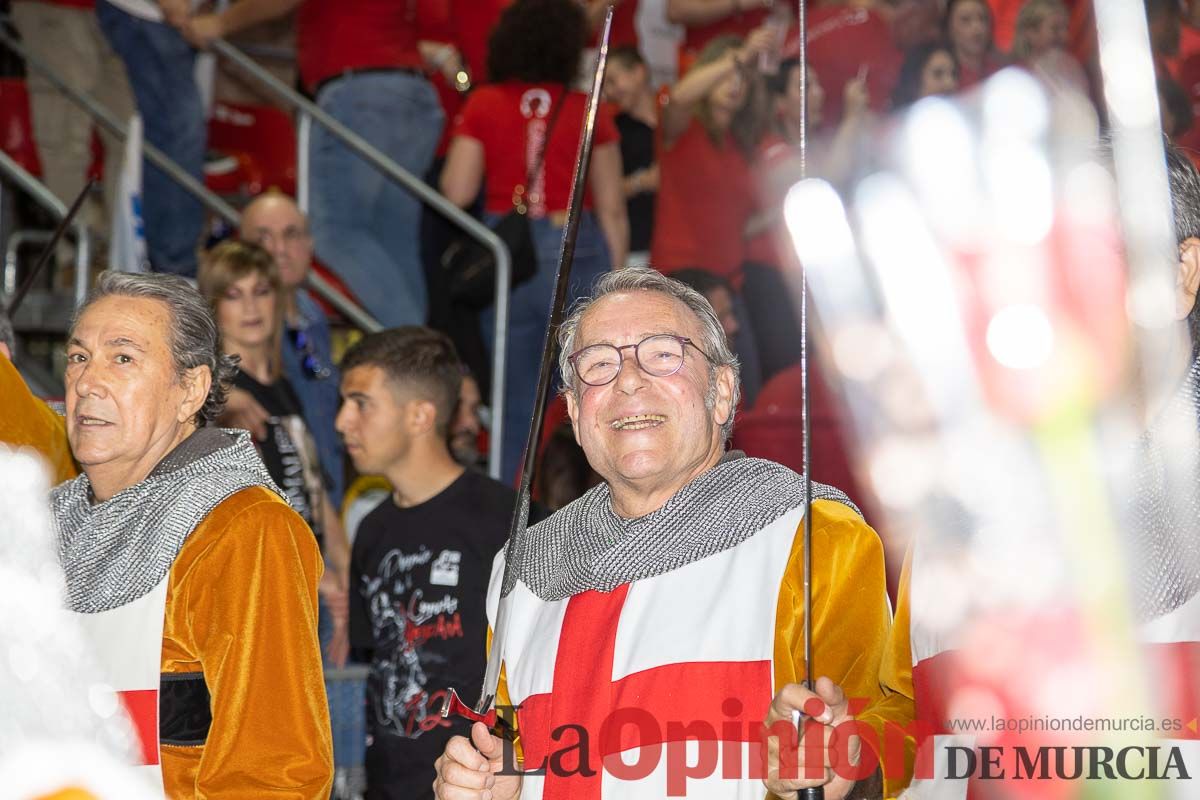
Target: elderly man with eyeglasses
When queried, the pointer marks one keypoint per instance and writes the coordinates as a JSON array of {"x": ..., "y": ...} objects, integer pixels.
[{"x": 655, "y": 624}]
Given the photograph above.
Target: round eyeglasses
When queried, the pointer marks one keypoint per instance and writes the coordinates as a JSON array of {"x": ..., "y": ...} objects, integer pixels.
[{"x": 659, "y": 355}]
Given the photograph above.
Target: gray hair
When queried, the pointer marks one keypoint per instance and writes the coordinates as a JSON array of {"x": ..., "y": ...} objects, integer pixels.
[
  {"x": 7, "y": 337},
  {"x": 195, "y": 340},
  {"x": 644, "y": 279}
]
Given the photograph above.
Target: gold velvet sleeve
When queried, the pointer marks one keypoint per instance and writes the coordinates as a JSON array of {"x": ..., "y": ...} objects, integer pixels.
[
  {"x": 895, "y": 676},
  {"x": 504, "y": 699},
  {"x": 25, "y": 421},
  {"x": 242, "y": 608},
  {"x": 851, "y": 614}
]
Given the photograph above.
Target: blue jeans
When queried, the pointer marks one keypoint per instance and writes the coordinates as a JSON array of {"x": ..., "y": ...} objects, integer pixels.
[
  {"x": 346, "y": 703},
  {"x": 365, "y": 226},
  {"x": 159, "y": 63},
  {"x": 528, "y": 321}
]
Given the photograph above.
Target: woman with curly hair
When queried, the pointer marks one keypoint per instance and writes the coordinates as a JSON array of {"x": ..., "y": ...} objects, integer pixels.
[{"x": 517, "y": 138}]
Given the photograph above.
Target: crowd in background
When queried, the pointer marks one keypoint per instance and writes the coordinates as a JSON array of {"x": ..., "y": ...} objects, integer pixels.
[
  {"x": 688, "y": 175},
  {"x": 484, "y": 99}
]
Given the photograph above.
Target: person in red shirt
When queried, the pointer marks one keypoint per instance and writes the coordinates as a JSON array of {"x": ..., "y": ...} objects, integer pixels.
[
  {"x": 848, "y": 41},
  {"x": 530, "y": 117},
  {"x": 705, "y": 20},
  {"x": 968, "y": 29},
  {"x": 65, "y": 36},
  {"x": 769, "y": 252},
  {"x": 710, "y": 125},
  {"x": 361, "y": 61},
  {"x": 624, "y": 24}
]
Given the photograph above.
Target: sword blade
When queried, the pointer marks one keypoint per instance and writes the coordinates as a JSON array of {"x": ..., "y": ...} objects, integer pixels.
[{"x": 520, "y": 519}]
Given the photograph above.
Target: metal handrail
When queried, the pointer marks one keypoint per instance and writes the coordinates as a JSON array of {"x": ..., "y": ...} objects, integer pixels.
[
  {"x": 12, "y": 248},
  {"x": 214, "y": 203},
  {"x": 47, "y": 200},
  {"x": 428, "y": 195}
]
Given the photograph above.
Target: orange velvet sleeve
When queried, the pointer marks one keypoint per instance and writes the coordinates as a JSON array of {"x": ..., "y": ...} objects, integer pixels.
[
  {"x": 25, "y": 421},
  {"x": 895, "y": 676},
  {"x": 242, "y": 608},
  {"x": 851, "y": 616}
]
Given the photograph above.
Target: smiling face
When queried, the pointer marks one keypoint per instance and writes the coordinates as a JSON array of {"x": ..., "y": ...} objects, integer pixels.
[
  {"x": 126, "y": 406},
  {"x": 246, "y": 313},
  {"x": 648, "y": 436},
  {"x": 939, "y": 76},
  {"x": 624, "y": 83}
]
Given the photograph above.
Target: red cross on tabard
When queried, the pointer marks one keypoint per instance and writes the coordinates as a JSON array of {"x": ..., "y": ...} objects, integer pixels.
[
  {"x": 730, "y": 696},
  {"x": 142, "y": 707}
]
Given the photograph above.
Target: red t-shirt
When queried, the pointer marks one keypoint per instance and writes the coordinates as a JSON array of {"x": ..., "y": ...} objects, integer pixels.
[
  {"x": 841, "y": 41},
  {"x": 696, "y": 36},
  {"x": 705, "y": 197},
  {"x": 466, "y": 24},
  {"x": 511, "y": 118},
  {"x": 469, "y": 33},
  {"x": 333, "y": 36},
  {"x": 768, "y": 247},
  {"x": 624, "y": 31}
]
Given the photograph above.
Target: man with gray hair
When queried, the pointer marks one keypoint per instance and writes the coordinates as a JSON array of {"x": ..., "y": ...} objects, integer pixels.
[
  {"x": 194, "y": 579},
  {"x": 665, "y": 606}
]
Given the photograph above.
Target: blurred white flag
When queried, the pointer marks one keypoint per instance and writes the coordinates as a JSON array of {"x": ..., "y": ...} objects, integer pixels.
[{"x": 127, "y": 240}]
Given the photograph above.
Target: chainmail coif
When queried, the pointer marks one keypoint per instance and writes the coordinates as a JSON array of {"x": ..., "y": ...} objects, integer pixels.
[
  {"x": 1163, "y": 533},
  {"x": 586, "y": 546},
  {"x": 117, "y": 551}
]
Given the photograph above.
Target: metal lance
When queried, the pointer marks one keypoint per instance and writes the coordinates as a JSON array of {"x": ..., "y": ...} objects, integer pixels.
[
  {"x": 44, "y": 259},
  {"x": 484, "y": 710},
  {"x": 814, "y": 792}
]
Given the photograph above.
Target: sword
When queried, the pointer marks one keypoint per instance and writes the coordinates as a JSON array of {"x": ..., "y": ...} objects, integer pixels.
[
  {"x": 484, "y": 710},
  {"x": 44, "y": 259},
  {"x": 813, "y": 792}
]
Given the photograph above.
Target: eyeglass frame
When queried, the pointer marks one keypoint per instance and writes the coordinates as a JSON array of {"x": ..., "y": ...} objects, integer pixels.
[
  {"x": 288, "y": 237},
  {"x": 683, "y": 340}
]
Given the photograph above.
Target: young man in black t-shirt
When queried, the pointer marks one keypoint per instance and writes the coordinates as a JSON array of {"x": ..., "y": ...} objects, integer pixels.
[{"x": 421, "y": 561}]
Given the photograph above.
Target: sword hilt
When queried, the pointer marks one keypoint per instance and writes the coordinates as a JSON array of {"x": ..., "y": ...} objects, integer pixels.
[
  {"x": 812, "y": 793},
  {"x": 454, "y": 707}
]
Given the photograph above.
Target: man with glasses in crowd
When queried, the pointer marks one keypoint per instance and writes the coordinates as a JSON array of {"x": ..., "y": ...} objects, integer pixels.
[
  {"x": 671, "y": 595},
  {"x": 274, "y": 221}
]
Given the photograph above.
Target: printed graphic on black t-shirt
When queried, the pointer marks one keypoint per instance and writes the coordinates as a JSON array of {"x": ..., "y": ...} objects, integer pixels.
[
  {"x": 418, "y": 579},
  {"x": 288, "y": 452}
]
